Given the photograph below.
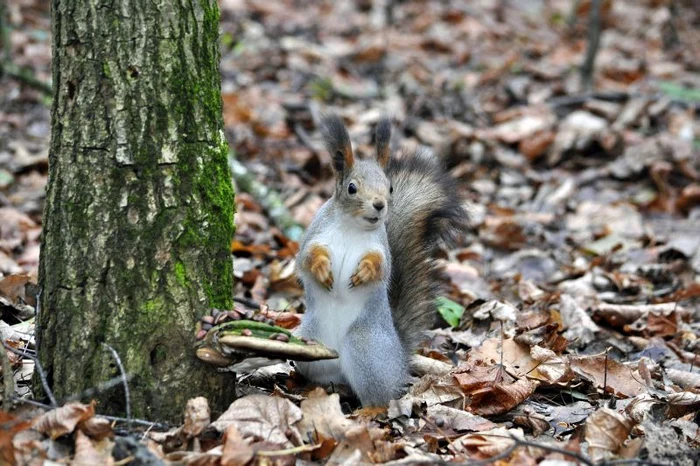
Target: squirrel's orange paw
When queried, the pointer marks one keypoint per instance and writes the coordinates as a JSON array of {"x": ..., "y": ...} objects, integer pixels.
[
  {"x": 319, "y": 264},
  {"x": 368, "y": 270}
]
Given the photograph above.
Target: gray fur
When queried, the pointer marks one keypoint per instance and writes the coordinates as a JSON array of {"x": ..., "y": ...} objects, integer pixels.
[{"x": 424, "y": 209}]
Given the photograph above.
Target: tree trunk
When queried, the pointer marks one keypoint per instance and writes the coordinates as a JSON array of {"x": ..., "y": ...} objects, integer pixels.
[{"x": 139, "y": 209}]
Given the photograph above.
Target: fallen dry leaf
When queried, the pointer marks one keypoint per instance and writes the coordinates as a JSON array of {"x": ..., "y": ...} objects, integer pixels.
[
  {"x": 484, "y": 445},
  {"x": 621, "y": 380},
  {"x": 196, "y": 416},
  {"x": 263, "y": 417},
  {"x": 322, "y": 415},
  {"x": 88, "y": 452},
  {"x": 606, "y": 432},
  {"x": 63, "y": 420},
  {"x": 236, "y": 450}
]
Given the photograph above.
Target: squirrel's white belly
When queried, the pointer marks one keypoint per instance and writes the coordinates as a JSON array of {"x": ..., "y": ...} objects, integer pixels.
[{"x": 341, "y": 306}]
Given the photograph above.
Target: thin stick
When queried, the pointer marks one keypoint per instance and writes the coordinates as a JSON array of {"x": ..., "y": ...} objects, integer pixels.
[
  {"x": 157, "y": 425},
  {"x": 103, "y": 387},
  {"x": 8, "y": 379},
  {"x": 37, "y": 368},
  {"x": 37, "y": 317},
  {"x": 115, "y": 355},
  {"x": 594, "y": 28},
  {"x": 26, "y": 76}
]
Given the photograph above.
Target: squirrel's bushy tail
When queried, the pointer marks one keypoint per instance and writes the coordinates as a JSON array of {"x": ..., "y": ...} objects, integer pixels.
[{"x": 426, "y": 210}]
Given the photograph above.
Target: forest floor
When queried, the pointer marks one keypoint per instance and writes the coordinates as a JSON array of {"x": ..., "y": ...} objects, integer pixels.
[{"x": 572, "y": 330}]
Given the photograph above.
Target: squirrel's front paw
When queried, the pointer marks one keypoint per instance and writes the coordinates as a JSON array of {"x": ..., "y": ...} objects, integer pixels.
[
  {"x": 319, "y": 264},
  {"x": 368, "y": 270}
]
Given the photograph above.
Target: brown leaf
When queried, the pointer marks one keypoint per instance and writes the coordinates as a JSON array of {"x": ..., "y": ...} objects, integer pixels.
[
  {"x": 63, "y": 420},
  {"x": 9, "y": 426},
  {"x": 12, "y": 286},
  {"x": 322, "y": 414},
  {"x": 458, "y": 420},
  {"x": 484, "y": 445},
  {"x": 262, "y": 417},
  {"x": 196, "y": 416},
  {"x": 86, "y": 452},
  {"x": 621, "y": 380},
  {"x": 97, "y": 428},
  {"x": 500, "y": 398},
  {"x": 534, "y": 146},
  {"x": 551, "y": 368},
  {"x": 606, "y": 431},
  {"x": 236, "y": 451}
]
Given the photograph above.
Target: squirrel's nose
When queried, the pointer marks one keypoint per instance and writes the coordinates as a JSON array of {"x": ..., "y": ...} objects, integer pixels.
[{"x": 378, "y": 205}]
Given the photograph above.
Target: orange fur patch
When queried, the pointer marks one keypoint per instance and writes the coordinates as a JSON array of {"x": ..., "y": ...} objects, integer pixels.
[
  {"x": 368, "y": 270},
  {"x": 319, "y": 264}
]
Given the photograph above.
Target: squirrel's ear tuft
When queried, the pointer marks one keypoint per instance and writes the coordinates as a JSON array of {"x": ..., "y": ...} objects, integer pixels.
[
  {"x": 383, "y": 141},
  {"x": 338, "y": 143}
]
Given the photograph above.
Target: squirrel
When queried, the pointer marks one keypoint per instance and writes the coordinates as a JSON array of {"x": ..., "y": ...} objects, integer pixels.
[{"x": 367, "y": 263}]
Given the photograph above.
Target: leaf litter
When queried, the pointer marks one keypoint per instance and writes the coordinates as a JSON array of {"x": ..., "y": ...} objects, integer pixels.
[{"x": 571, "y": 318}]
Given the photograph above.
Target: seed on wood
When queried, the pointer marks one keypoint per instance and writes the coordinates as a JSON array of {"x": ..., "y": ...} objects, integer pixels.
[
  {"x": 246, "y": 332},
  {"x": 208, "y": 319}
]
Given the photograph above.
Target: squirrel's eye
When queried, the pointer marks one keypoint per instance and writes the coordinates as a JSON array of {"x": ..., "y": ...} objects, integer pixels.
[
  {"x": 391, "y": 189},
  {"x": 352, "y": 189}
]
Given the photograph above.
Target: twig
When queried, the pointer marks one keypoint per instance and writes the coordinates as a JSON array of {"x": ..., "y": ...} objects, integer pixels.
[
  {"x": 594, "y": 28},
  {"x": 289, "y": 451},
  {"x": 605, "y": 371},
  {"x": 268, "y": 199},
  {"x": 8, "y": 380},
  {"x": 103, "y": 387},
  {"x": 142, "y": 422},
  {"x": 4, "y": 32},
  {"x": 247, "y": 302},
  {"x": 37, "y": 325},
  {"x": 37, "y": 368},
  {"x": 26, "y": 76},
  {"x": 115, "y": 355},
  {"x": 157, "y": 425},
  {"x": 573, "y": 13}
]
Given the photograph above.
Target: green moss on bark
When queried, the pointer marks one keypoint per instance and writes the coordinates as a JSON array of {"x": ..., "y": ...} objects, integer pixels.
[{"x": 139, "y": 211}]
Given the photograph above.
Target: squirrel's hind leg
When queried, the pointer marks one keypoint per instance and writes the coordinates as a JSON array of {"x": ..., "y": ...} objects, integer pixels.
[{"x": 374, "y": 364}]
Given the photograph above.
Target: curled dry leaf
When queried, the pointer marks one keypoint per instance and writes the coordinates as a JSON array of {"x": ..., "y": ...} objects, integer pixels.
[
  {"x": 97, "y": 428},
  {"x": 484, "y": 445},
  {"x": 551, "y": 368},
  {"x": 12, "y": 286},
  {"x": 63, "y": 420},
  {"x": 516, "y": 356},
  {"x": 196, "y": 416},
  {"x": 580, "y": 328},
  {"x": 431, "y": 390},
  {"x": 606, "y": 432},
  {"x": 262, "y": 417},
  {"x": 458, "y": 420},
  {"x": 89, "y": 452},
  {"x": 9, "y": 426},
  {"x": 640, "y": 407},
  {"x": 422, "y": 365},
  {"x": 236, "y": 450},
  {"x": 322, "y": 415},
  {"x": 619, "y": 315}
]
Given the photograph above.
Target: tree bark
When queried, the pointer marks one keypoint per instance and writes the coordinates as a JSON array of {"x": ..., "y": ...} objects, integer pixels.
[{"x": 139, "y": 209}]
